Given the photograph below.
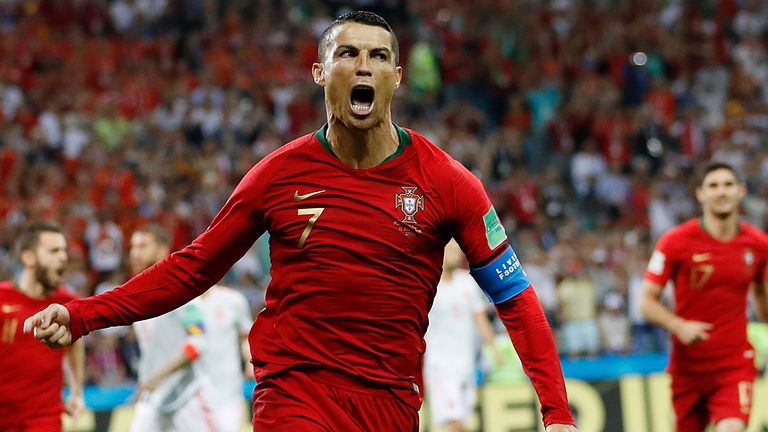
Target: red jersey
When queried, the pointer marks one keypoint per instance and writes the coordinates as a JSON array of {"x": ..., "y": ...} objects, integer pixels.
[
  {"x": 712, "y": 279},
  {"x": 30, "y": 373},
  {"x": 356, "y": 258}
]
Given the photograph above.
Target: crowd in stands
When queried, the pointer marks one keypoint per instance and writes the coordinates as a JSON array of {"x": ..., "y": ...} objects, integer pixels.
[{"x": 585, "y": 119}]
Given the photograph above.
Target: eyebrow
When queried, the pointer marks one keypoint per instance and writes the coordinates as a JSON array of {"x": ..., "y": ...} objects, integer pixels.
[{"x": 352, "y": 47}]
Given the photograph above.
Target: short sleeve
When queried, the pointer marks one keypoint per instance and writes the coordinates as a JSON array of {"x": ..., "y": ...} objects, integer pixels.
[{"x": 662, "y": 262}]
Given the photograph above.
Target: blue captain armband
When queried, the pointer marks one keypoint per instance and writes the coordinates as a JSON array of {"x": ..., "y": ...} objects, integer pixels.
[{"x": 503, "y": 278}]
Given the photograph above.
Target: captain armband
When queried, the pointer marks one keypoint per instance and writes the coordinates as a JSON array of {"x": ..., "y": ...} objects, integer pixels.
[{"x": 503, "y": 278}]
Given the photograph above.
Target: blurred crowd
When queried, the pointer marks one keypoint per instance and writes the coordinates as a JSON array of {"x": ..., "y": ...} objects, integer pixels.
[{"x": 585, "y": 119}]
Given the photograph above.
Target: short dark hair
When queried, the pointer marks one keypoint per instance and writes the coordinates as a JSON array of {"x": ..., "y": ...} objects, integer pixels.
[
  {"x": 361, "y": 17},
  {"x": 29, "y": 237},
  {"x": 717, "y": 165},
  {"x": 160, "y": 234}
]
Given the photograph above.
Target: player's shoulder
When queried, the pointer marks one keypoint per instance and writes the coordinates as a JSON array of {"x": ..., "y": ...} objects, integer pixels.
[
  {"x": 7, "y": 290},
  {"x": 687, "y": 229},
  {"x": 754, "y": 233},
  {"x": 429, "y": 151},
  {"x": 64, "y": 294}
]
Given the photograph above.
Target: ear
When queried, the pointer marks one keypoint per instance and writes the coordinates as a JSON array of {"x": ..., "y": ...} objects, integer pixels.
[
  {"x": 318, "y": 73},
  {"x": 398, "y": 75},
  {"x": 28, "y": 258}
]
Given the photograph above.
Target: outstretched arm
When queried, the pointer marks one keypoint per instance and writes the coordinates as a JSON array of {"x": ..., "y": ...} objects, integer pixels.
[{"x": 169, "y": 284}]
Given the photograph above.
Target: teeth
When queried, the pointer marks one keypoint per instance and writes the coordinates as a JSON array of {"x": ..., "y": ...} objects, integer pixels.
[{"x": 361, "y": 109}]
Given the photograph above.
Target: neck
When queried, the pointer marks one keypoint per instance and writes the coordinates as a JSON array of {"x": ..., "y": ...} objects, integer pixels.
[
  {"x": 362, "y": 148},
  {"x": 28, "y": 284},
  {"x": 721, "y": 228}
]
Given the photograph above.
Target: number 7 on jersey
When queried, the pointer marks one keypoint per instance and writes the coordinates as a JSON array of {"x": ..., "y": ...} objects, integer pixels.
[{"x": 315, "y": 212}]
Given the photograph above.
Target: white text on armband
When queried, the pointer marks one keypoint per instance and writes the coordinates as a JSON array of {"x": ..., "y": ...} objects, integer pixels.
[{"x": 503, "y": 278}]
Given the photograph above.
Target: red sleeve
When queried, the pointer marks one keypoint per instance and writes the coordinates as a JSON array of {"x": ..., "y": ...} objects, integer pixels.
[
  {"x": 524, "y": 319},
  {"x": 185, "y": 274},
  {"x": 662, "y": 262},
  {"x": 476, "y": 226}
]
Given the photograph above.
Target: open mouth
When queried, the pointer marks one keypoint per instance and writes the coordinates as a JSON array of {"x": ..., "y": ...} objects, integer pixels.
[{"x": 361, "y": 100}]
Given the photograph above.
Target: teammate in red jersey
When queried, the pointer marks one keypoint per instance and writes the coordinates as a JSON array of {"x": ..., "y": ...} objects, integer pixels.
[
  {"x": 713, "y": 262},
  {"x": 30, "y": 374},
  {"x": 359, "y": 214}
]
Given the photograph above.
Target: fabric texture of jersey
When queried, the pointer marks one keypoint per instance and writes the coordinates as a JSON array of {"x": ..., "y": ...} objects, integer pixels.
[
  {"x": 161, "y": 341},
  {"x": 711, "y": 281},
  {"x": 28, "y": 389},
  {"x": 356, "y": 256}
]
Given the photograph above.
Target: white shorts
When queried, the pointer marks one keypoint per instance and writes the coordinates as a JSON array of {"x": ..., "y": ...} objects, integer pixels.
[
  {"x": 193, "y": 416},
  {"x": 451, "y": 393}
]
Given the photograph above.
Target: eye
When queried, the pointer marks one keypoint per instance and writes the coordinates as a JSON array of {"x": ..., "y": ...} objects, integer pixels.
[{"x": 346, "y": 53}]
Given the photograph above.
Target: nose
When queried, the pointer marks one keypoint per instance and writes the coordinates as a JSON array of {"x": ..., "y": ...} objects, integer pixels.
[{"x": 363, "y": 65}]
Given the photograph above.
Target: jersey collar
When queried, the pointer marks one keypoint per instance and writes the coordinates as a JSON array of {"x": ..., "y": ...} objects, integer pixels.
[{"x": 404, "y": 139}]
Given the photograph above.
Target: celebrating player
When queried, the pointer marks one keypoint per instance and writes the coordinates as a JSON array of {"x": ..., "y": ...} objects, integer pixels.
[
  {"x": 713, "y": 261},
  {"x": 30, "y": 374},
  {"x": 359, "y": 213}
]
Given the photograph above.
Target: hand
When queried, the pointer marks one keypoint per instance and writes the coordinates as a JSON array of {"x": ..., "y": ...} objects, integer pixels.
[
  {"x": 75, "y": 405},
  {"x": 147, "y": 387},
  {"x": 691, "y": 332},
  {"x": 560, "y": 428},
  {"x": 50, "y": 326}
]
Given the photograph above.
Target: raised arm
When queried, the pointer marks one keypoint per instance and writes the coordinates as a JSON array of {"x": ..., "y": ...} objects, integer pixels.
[{"x": 170, "y": 283}]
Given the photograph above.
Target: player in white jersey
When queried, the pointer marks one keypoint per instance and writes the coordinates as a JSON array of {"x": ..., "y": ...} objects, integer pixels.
[
  {"x": 173, "y": 394},
  {"x": 458, "y": 314},
  {"x": 227, "y": 322}
]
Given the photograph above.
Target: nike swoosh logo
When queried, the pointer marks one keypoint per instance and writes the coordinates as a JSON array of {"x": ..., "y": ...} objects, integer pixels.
[
  {"x": 9, "y": 308},
  {"x": 699, "y": 257},
  {"x": 297, "y": 197}
]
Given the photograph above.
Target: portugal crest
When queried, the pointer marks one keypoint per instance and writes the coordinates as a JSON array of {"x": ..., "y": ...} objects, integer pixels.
[{"x": 410, "y": 203}]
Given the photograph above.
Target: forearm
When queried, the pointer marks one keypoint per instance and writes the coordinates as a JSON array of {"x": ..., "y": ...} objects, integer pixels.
[
  {"x": 75, "y": 360},
  {"x": 656, "y": 313},
  {"x": 183, "y": 360},
  {"x": 484, "y": 327},
  {"x": 174, "y": 281},
  {"x": 761, "y": 301},
  {"x": 527, "y": 326}
]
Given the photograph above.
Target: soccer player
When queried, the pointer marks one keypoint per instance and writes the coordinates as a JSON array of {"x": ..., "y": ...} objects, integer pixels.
[
  {"x": 713, "y": 262},
  {"x": 358, "y": 214},
  {"x": 450, "y": 362},
  {"x": 228, "y": 319},
  {"x": 172, "y": 395},
  {"x": 31, "y": 378}
]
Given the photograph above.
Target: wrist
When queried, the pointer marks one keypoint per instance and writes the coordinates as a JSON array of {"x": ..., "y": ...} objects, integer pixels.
[{"x": 675, "y": 323}]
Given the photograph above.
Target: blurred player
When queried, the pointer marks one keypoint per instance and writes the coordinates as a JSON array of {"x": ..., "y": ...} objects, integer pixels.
[
  {"x": 30, "y": 374},
  {"x": 450, "y": 362},
  {"x": 227, "y": 322},
  {"x": 171, "y": 394},
  {"x": 713, "y": 262},
  {"x": 358, "y": 214}
]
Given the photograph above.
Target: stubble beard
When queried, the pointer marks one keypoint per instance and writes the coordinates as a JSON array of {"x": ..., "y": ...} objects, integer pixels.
[{"x": 42, "y": 276}]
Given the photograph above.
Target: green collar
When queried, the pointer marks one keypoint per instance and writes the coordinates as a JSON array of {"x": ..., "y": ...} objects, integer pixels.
[{"x": 404, "y": 139}]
